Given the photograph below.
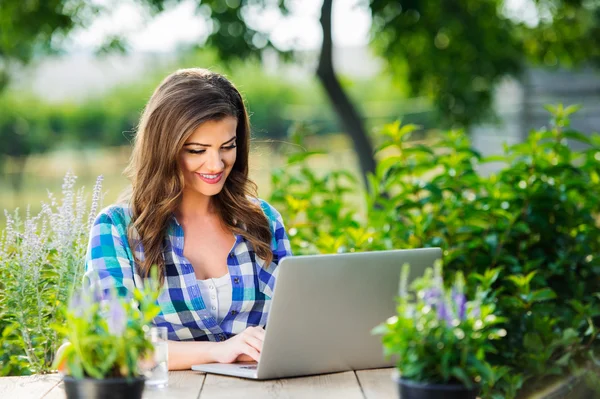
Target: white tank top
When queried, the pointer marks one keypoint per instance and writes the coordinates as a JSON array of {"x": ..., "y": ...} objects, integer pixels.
[{"x": 217, "y": 294}]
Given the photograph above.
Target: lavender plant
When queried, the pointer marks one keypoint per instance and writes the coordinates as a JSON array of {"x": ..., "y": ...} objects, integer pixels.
[
  {"x": 107, "y": 332},
  {"x": 438, "y": 335},
  {"x": 41, "y": 261}
]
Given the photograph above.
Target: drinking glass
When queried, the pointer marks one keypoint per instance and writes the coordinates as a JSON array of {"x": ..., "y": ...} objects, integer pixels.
[{"x": 157, "y": 374}]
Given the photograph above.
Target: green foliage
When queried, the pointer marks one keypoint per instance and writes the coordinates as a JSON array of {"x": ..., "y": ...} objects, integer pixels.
[
  {"x": 107, "y": 335},
  {"x": 457, "y": 52},
  {"x": 536, "y": 222},
  {"x": 438, "y": 336},
  {"x": 527, "y": 236},
  {"x": 568, "y": 38},
  {"x": 27, "y": 126},
  {"x": 28, "y": 28},
  {"x": 41, "y": 260},
  {"x": 318, "y": 217}
]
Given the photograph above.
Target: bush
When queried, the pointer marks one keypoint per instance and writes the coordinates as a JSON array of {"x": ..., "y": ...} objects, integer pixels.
[
  {"x": 528, "y": 235},
  {"x": 41, "y": 261}
]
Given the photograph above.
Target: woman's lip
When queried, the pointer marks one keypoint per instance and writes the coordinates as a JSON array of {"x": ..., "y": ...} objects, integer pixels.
[{"x": 210, "y": 181}]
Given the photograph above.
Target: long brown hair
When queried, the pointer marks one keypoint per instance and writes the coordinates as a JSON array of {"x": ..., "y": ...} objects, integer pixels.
[{"x": 184, "y": 100}]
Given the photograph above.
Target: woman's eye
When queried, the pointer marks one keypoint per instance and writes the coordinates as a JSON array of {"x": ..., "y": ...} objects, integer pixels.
[
  {"x": 231, "y": 147},
  {"x": 196, "y": 151}
]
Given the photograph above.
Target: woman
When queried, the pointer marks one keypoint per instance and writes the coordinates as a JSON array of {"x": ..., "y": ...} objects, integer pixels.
[{"x": 193, "y": 213}]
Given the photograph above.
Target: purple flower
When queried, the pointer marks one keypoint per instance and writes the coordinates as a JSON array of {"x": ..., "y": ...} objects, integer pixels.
[
  {"x": 117, "y": 319},
  {"x": 476, "y": 311},
  {"x": 443, "y": 313},
  {"x": 432, "y": 296},
  {"x": 460, "y": 303},
  {"x": 94, "y": 293},
  {"x": 78, "y": 304},
  {"x": 97, "y": 294}
]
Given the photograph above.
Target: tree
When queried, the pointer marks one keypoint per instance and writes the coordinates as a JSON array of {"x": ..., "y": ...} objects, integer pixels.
[
  {"x": 457, "y": 51},
  {"x": 29, "y": 28}
]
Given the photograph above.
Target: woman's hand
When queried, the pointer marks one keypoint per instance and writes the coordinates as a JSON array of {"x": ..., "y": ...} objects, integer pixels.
[{"x": 245, "y": 346}]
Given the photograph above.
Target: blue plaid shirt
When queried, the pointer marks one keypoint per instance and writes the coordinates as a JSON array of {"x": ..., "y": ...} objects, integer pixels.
[{"x": 110, "y": 263}]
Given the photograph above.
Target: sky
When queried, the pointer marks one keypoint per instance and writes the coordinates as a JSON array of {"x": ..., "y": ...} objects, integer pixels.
[{"x": 180, "y": 25}]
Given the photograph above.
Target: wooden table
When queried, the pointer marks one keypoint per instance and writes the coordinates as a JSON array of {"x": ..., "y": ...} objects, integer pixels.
[{"x": 367, "y": 384}]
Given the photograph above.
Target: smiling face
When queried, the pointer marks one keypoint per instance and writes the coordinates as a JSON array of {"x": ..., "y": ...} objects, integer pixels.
[{"x": 208, "y": 156}]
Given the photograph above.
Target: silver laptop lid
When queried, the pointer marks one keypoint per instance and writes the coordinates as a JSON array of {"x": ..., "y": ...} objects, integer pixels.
[{"x": 325, "y": 307}]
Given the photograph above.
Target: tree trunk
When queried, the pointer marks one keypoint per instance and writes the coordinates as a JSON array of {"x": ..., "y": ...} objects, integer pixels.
[{"x": 345, "y": 110}]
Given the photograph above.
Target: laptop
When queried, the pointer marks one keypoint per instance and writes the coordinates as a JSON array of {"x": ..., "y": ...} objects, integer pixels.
[{"x": 323, "y": 310}]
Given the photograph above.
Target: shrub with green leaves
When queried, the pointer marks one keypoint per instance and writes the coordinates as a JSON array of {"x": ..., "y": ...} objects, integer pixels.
[
  {"x": 320, "y": 207},
  {"x": 41, "y": 261},
  {"x": 527, "y": 236},
  {"x": 533, "y": 227},
  {"x": 437, "y": 335}
]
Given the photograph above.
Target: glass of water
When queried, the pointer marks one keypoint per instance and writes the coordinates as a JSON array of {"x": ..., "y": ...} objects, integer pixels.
[{"x": 157, "y": 372}]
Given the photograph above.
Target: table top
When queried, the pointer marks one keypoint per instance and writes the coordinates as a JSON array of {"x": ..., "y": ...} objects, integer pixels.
[{"x": 363, "y": 384}]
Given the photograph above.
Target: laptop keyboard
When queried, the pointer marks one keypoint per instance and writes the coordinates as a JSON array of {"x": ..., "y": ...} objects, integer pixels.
[{"x": 252, "y": 367}]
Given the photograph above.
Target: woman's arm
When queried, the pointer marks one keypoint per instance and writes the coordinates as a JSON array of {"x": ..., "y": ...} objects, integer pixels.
[
  {"x": 182, "y": 355},
  {"x": 245, "y": 346}
]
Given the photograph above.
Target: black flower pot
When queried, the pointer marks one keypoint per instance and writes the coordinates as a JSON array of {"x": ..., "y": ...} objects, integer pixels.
[
  {"x": 421, "y": 390},
  {"x": 110, "y": 388}
]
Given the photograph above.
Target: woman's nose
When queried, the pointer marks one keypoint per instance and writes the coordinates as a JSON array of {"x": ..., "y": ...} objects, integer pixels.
[{"x": 215, "y": 162}]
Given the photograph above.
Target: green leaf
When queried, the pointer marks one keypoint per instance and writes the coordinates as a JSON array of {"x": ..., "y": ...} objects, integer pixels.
[
  {"x": 302, "y": 156},
  {"x": 573, "y": 135},
  {"x": 407, "y": 129},
  {"x": 578, "y": 306},
  {"x": 381, "y": 329},
  {"x": 533, "y": 342},
  {"x": 544, "y": 294},
  {"x": 495, "y": 158},
  {"x": 570, "y": 335},
  {"x": 386, "y": 164},
  {"x": 564, "y": 359},
  {"x": 385, "y": 145},
  {"x": 572, "y": 109},
  {"x": 418, "y": 148},
  {"x": 462, "y": 376},
  {"x": 550, "y": 108}
]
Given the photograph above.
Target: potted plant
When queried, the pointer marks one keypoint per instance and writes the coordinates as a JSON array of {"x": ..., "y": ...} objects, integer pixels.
[
  {"x": 440, "y": 340},
  {"x": 106, "y": 343}
]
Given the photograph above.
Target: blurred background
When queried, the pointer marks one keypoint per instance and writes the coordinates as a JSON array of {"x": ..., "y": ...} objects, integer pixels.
[{"x": 75, "y": 75}]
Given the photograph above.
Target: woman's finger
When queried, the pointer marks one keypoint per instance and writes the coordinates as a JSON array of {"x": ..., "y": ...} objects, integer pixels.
[
  {"x": 261, "y": 332},
  {"x": 254, "y": 342},
  {"x": 244, "y": 358},
  {"x": 257, "y": 332},
  {"x": 250, "y": 351}
]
